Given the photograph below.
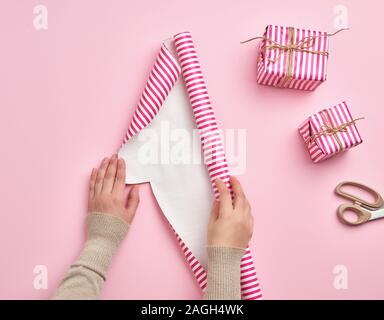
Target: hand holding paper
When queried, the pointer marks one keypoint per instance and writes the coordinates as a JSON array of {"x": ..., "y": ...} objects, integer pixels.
[
  {"x": 106, "y": 191},
  {"x": 231, "y": 225}
]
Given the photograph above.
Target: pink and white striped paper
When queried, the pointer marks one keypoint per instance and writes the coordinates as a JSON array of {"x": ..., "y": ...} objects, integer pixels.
[
  {"x": 162, "y": 78},
  {"x": 309, "y": 69},
  {"x": 326, "y": 146}
]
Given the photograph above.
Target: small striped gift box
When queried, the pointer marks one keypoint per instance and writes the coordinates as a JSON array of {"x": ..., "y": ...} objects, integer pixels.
[
  {"x": 292, "y": 58},
  {"x": 329, "y": 132}
]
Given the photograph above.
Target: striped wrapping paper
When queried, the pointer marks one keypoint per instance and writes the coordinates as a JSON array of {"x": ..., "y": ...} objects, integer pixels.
[
  {"x": 321, "y": 147},
  {"x": 308, "y": 69},
  {"x": 162, "y": 78}
]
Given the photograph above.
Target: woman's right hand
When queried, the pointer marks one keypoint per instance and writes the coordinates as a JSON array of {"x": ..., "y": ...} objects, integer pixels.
[{"x": 231, "y": 225}]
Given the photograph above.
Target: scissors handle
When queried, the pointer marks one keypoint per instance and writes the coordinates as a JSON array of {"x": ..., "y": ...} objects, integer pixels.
[
  {"x": 362, "y": 215},
  {"x": 375, "y": 205}
]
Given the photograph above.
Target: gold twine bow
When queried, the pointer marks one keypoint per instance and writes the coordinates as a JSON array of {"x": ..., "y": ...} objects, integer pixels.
[
  {"x": 304, "y": 45},
  {"x": 328, "y": 129}
]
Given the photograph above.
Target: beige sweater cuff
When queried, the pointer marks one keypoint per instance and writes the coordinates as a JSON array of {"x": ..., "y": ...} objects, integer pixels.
[
  {"x": 105, "y": 233},
  {"x": 224, "y": 273}
]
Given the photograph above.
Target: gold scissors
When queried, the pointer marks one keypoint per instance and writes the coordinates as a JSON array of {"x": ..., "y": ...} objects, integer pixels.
[{"x": 365, "y": 210}]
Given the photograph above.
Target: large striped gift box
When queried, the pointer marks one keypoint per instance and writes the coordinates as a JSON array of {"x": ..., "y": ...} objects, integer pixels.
[
  {"x": 292, "y": 58},
  {"x": 329, "y": 132}
]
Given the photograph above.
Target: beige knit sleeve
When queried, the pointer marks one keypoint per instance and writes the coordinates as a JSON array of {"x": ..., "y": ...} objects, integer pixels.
[
  {"x": 223, "y": 273},
  {"x": 85, "y": 277}
]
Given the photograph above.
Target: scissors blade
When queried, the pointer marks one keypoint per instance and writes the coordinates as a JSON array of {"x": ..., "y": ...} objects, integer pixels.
[{"x": 377, "y": 214}]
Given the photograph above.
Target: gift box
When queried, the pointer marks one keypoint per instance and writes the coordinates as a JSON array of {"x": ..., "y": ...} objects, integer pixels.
[
  {"x": 329, "y": 132},
  {"x": 292, "y": 58}
]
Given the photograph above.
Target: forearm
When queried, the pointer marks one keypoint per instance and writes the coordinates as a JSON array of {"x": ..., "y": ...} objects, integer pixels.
[
  {"x": 223, "y": 273},
  {"x": 86, "y": 276}
]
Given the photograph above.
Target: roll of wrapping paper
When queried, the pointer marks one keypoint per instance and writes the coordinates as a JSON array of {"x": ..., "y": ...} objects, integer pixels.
[
  {"x": 163, "y": 76},
  {"x": 212, "y": 146}
]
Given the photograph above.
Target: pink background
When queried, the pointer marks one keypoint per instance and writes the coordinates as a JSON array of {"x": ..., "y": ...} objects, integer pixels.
[{"x": 66, "y": 97}]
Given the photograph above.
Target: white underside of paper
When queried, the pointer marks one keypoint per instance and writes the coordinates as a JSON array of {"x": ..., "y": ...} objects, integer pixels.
[{"x": 183, "y": 190}]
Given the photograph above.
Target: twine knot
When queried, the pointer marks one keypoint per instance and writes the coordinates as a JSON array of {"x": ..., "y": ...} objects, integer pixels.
[{"x": 328, "y": 130}]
